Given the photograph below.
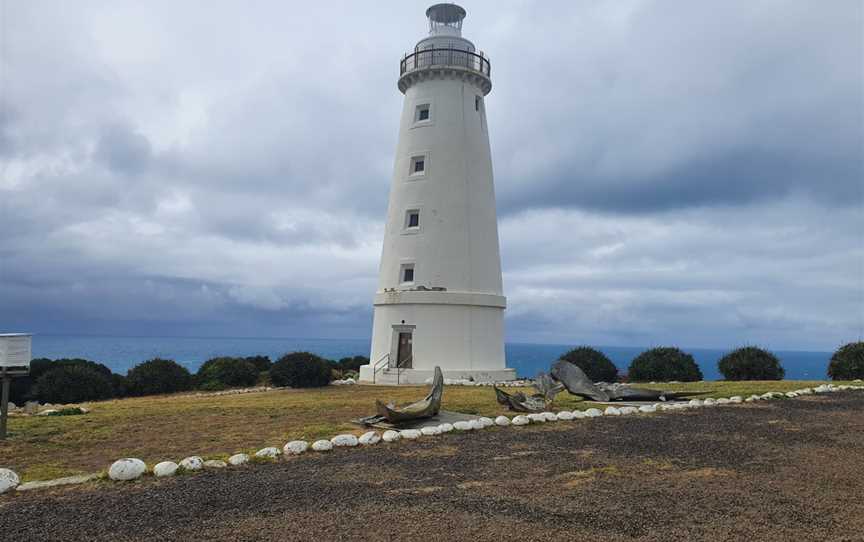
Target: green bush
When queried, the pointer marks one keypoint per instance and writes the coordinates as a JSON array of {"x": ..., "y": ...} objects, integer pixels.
[
  {"x": 261, "y": 363},
  {"x": 664, "y": 364},
  {"x": 750, "y": 363},
  {"x": 301, "y": 370},
  {"x": 847, "y": 363},
  {"x": 158, "y": 376},
  {"x": 22, "y": 389},
  {"x": 74, "y": 383},
  {"x": 353, "y": 363},
  {"x": 593, "y": 363},
  {"x": 221, "y": 373}
]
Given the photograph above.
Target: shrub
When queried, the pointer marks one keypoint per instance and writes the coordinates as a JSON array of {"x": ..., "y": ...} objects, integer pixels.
[
  {"x": 750, "y": 363},
  {"x": 847, "y": 363},
  {"x": 664, "y": 364},
  {"x": 158, "y": 376},
  {"x": 72, "y": 384},
  {"x": 261, "y": 363},
  {"x": 221, "y": 373},
  {"x": 593, "y": 363},
  {"x": 301, "y": 370},
  {"x": 22, "y": 389},
  {"x": 353, "y": 363}
]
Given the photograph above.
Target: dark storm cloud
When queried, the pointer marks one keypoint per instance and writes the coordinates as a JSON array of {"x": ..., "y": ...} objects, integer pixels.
[{"x": 664, "y": 170}]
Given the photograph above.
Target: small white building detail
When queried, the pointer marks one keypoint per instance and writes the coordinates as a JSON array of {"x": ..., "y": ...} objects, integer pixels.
[{"x": 440, "y": 299}]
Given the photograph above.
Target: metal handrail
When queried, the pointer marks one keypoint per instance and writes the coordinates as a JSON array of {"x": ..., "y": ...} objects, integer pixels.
[
  {"x": 379, "y": 365},
  {"x": 448, "y": 56}
]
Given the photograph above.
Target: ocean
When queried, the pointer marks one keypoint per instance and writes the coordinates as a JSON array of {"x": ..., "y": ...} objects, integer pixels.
[{"x": 122, "y": 353}]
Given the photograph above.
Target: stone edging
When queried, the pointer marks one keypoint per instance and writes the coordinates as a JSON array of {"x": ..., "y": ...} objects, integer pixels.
[{"x": 132, "y": 468}]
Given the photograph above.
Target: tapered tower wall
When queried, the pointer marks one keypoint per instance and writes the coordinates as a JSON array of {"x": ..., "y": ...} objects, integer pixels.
[{"x": 439, "y": 299}]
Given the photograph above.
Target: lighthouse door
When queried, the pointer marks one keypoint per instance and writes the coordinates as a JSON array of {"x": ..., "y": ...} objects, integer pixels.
[{"x": 403, "y": 352}]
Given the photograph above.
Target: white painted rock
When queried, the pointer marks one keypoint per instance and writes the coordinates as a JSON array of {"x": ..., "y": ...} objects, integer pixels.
[
  {"x": 165, "y": 468},
  {"x": 343, "y": 441},
  {"x": 410, "y": 434},
  {"x": 695, "y": 402},
  {"x": 238, "y": 459},
  {"x": 593, "y": 413},
  {"x": 215, "y": 464},
  {"x": 486, "y": 422},
  {"x": 370, "y": 438},
  {"x": 791, "y": 394},
  {"x": 648, "y": 409},
  {"x": 577, "y": 414},
  {"x": 537, "y": 417},
  {"x": 611, "y": 411},
  {"x": 723, "y": 401},
  {"x": 462, "y": 426},
  {"x": 736, "y": 399},
  {"x": 627, "y": 410},
  {"x": 430, "y": 431},
  {"x": 390, "y": 436},
  {"x": 295, "y": 447},
  {"x": 8, "y": 480},
  {"x": 550, "y": 416},
  {"x": 127, "y": 469},
  {"x": 192, "y": 463},
  {"x": 446, "y": 427},
  {"x": 502, "y": 421},
  {"x": 322, "y": 445},
  {"x": 565, "y": 415},
  {"x": 709, "y": 402},
  {"x": 476, "y": 425},
  {"x": 271, "y": 452},
  {"x": 520, "y": 420}
]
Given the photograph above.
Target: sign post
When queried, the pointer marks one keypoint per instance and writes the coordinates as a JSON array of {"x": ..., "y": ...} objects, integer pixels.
[{"x": 15, "y": 356}]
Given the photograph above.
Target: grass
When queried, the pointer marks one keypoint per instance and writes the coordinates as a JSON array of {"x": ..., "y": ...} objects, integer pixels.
[{"x": 171, "y": 427}]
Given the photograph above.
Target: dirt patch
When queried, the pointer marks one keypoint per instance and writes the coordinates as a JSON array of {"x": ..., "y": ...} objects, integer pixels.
[{"x": 716, "y": 474}]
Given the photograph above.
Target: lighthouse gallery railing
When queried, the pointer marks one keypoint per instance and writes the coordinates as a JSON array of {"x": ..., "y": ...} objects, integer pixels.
[{"x": 449, "y": 56}]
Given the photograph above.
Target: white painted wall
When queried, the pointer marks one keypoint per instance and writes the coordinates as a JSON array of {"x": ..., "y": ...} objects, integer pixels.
[{"x": 456, "y": 245}]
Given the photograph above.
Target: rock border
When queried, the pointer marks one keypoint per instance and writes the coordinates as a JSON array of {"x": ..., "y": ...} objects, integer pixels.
[{"x": 130, "y": 469}]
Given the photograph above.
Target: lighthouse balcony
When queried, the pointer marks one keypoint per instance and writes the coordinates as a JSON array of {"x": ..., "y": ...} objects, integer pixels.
[{"x": 446, "y": 61}]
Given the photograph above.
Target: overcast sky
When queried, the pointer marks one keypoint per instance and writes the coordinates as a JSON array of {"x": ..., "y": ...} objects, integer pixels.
[{"x": 667, "y": 172}]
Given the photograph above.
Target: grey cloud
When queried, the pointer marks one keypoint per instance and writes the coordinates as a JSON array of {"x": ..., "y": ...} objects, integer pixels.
[{"x": 664, "y": 171}]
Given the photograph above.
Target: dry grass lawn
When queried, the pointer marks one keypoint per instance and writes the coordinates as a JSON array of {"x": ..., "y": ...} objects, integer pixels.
[{"x": 175, "y": 426}]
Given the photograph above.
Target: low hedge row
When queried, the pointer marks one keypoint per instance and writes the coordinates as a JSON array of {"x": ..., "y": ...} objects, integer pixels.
[
  {"x": 664, "y": 364},
  {"x": 78, "y": 380}
]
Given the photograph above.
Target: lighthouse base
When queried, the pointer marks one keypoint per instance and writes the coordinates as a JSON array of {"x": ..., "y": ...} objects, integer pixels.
[
  {"x": 413, "y": 377},
  {"x": 462, "y": 333}
]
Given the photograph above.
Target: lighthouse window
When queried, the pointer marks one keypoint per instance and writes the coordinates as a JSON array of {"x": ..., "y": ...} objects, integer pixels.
[
  {"x": 477, "y": 101},
  {"x": 412, "y": 218},
  {"x": 407, "y": 272},
  {"x": 422, "y": 113},
  {"x": 417, "y": 166}
]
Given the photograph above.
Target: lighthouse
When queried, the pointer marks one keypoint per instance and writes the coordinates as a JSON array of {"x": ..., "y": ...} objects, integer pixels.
[{"x": 439, "y": 300}]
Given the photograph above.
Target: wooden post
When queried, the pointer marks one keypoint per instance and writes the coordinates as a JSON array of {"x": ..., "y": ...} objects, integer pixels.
[{"x": 4, "y": 404}]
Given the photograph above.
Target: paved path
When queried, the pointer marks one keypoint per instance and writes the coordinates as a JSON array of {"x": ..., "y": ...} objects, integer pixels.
[{"x": 784, "y": 470}]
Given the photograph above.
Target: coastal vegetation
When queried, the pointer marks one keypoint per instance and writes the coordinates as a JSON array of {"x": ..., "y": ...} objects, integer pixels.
[
  {"x": 301, "y": 370},
  {"x": 158, "y": 376},
  {"x": 664, "y": 364},
  {"x": 750, "y": 363},
  {"x": 847, "y": 362},
  {"x": 593, "y": 363},
  {"x": 224, "y": 372}
]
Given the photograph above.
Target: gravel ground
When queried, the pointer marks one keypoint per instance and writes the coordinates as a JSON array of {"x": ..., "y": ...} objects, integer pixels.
[{"x": 783, "y": 470}]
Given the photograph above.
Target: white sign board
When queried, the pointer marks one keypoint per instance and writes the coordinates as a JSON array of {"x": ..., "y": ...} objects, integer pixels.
[{"x": 15, "y": 350}]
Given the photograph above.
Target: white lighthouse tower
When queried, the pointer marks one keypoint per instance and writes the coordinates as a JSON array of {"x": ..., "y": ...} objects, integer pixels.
[{"x": 439, "y": 299}]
